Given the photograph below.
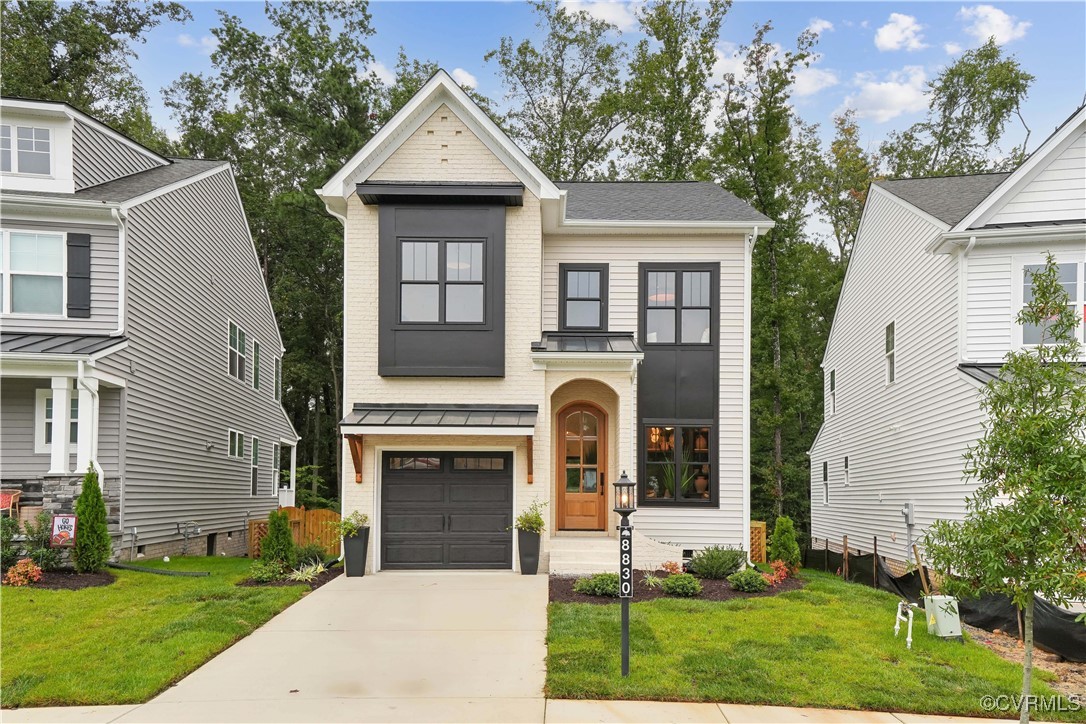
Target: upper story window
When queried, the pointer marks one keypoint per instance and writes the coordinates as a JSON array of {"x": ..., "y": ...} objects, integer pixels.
[
  {"x": 26, "y": 150},
  {"x": 678, "y": 307},
  {"x": 1071, "y": 279},
  {"x": 442, "y": 282},
  {"x": 583, "y": 297},
  {"x": 833, "y": 392},
  {"x": 278, "y": 379},
  {"x": 33, "y": 273},
  {"x": 891, "y": 372},
  {"x": 256, "y": 365},
  {"x": 237, "y": 352}
]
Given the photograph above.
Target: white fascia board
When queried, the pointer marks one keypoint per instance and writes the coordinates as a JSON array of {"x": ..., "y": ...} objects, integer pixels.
[
  {"x": 587, "y": 361},
  {"x": 1025, "y": 173},
  {"x": 945, "y": 243},
  {"x": 441, "y": 88},
  {"x": 10, "y": 198},
  {"x": 435, "y": 430}
]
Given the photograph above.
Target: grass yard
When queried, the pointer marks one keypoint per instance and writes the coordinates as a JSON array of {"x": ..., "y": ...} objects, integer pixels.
[
  {"x": 830, "y": 644},
  {"x": 125, "y": 642}
]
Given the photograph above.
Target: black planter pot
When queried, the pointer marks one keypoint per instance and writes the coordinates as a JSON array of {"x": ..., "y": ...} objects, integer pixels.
[
  {"x": 355, "y": 549},
  {"x": 528, "y": 545}
]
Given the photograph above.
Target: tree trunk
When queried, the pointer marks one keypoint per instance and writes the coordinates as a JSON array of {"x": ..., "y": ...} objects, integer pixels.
[
  {"x": 317, "y": 440},
  {"x": 1027, "y": 663}
]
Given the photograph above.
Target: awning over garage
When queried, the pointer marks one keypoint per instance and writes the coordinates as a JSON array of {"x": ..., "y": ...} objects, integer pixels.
[{"x": 438, "y": 419}]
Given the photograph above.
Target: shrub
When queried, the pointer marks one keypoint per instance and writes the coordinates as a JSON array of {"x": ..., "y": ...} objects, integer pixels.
[
  {"x": 717, "y": 562},
  {"x": 23, "y": 573},
  {"x": 9, "y": 552},
  {"x": 531, "y": 519},
  {"x": 671, "y": 567},
  {"x": 278, "y": 544},
  {"x": 348, "y": 527},
  {"x": 783, "y": 546},
  {"x": 93, "y": 547},
  {"x": 748, "y": 580},
  {"x": 38, "y": 534},
  {"x": 309, "y": 554},
  {"x": 683, "y": 585},
  {"x": 307, "y": 573},
  {"x": 599, "y": 584},
  {"x": 781, "y": 571},
  {"x": 652, "y": 581},
  {"x": 263, "y": 571}
]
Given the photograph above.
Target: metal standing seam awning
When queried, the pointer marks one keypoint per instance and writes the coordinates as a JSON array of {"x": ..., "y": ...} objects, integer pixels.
[{"x": 436, "y": 419}]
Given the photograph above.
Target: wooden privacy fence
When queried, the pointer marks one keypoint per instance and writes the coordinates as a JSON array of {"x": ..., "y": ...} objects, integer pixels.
[
  {"x": 306, "y": 526},
  {"x": 757, "y": 541}
]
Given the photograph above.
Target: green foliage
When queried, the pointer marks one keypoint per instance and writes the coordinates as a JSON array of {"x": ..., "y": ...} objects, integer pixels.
[
  {"x": 717, "y": 562},
  {"x": 971, "y": 101},
  {"x": 349, "y": 526},
  {"x": 410, "y": 75},
  {"x": 531, "y": 518},
  {"x": 79, "y": 52},
  {"x": 681, "y": 585},
  {"x": 844, "y": 173},
  {"x": 1023, "y": 530},
  {"x": 93, "y": 547},
  {"x": 748, "y": 580},
  {"x": 565, "y": 91},
  {"x": 9, "y": 552},
  {"x": 652, "y": 581},
  {"x": 266, "y": 571},
  {"x": 783, "y": 545},
  {"x": 306, "y": 573},
  {"x": 310, "y": 553},
  {"x": 306, "y": 498},
  {"x": 38, "y": 534},
  {"x": 278, "y": 544},
  {"x": 598, "y": 584}
]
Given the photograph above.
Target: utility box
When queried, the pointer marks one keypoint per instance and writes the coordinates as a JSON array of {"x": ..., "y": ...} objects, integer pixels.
[{"x": 942, "y": 615}]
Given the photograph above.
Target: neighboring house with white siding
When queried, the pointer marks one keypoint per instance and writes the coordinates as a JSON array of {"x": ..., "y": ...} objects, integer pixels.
[
  {"x": 927, "y": 313},
  {"x": 510, "y": 339},
  {"x": 134, "y": 317}
]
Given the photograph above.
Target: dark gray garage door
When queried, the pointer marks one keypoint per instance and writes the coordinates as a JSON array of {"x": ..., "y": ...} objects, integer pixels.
[{"x": 446, "y": 510}]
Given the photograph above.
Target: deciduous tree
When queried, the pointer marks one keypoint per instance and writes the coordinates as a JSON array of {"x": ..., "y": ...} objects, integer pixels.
[{"x": 844, "y": 173}]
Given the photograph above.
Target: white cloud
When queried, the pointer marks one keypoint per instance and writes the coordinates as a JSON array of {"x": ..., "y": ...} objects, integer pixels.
[
  {"x": 206, "y": 44},
  {"x": 464, "y": 78},
  {"x": 902, "y": 31},
  {"x": 903, "y": 91},
  {"x": 865, "y": 24},
  {"x": 986, "y": 22},
  {"x": 952, "y": 48},
  {"x": 619, "y": 13},
  {"x": 728, "y": 61},
  {"x": 819, "y": 26},
  {"x": 382, "y": 71},
  {"x": 811, "y": 80}
]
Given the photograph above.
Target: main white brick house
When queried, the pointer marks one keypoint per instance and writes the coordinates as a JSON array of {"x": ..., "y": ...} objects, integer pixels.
[{"x": 510, "y": 339}]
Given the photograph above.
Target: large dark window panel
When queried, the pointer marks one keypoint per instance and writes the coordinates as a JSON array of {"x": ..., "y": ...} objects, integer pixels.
[{"x": 583, "y": 297}]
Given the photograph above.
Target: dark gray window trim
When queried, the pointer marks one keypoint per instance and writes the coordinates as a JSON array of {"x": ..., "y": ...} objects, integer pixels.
[
  {"x": 714, "y": 462},
  {"x": 604, "y": 294},
  {"x": 486, "y": 324},
  {"x": 392, "y": 192},
  {"x": 446, "y": 457},
  {"x": 714, "y": 313}
]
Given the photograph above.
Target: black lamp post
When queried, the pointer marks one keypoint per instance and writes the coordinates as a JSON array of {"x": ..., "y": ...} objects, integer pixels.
[{"x": 625, "y": 504}]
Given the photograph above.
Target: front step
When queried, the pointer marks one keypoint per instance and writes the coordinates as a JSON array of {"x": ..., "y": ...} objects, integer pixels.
[{"x": 581, "y": 555}]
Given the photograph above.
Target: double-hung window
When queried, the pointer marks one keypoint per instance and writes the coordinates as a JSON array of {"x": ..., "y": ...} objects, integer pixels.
[
  {"x": 891, "y": 371},
  {"x": 825, "y": 483},
  {"x": 833, "y": 392},
  {"x": 679, "y": 463},
  {"x": 43, "y": 427},
  {"x": 442, "y": 281},
  {"x": 33, "y": 273},
  {"x": 678, "y": 307},
  {"x": 237, "y": 445},
  {"x": 254, "y": 474},
  {"x": 256, "y": 365},
  {"x": 846, "y": 470},
  {"x": 1071, "y": 278},
  {"x": 583, "y": 290},
  {"x": 237, "y": 352},
  {"x": 26, "y": 150}
]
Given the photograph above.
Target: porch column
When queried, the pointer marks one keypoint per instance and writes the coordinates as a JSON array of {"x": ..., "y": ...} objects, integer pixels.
[
  {"x": 293, "y": 466},
  {"x": 58, "y": 455},
  {"x": 87, "y": 425}
]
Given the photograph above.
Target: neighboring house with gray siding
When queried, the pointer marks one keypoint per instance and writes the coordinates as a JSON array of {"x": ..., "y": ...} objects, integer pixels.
[
  {"x": 927, "y": 314},
  {"x": 134, "y": 315}
]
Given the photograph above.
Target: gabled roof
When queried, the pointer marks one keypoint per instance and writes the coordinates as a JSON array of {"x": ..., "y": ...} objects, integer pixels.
[
  {"x": 127, "y": 188},
  {"x": 655, "y": 201},
  {"x": 948, "y": 198}
]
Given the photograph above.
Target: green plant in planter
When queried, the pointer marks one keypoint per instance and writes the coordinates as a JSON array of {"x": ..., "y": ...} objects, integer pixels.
[
  {"x": 683, "y": 585},
  {"x": 349, "y": 526},
  {"x": 531, "y": 519}
]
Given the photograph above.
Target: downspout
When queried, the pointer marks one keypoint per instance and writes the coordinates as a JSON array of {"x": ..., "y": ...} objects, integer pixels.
[
  {"x": 343, "y": 220},
  {"x": 963, "y": 299},
  {"x": 121, "y": 217},
  {"x": 81, "y": 379}
]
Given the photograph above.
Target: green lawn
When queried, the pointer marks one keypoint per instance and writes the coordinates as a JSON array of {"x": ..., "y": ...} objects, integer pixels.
[
  {"x": 830, "y": 644},
  {"x": 126, "y": 642}
]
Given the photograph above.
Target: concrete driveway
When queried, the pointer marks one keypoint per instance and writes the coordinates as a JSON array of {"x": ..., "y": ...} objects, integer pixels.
[{"x": 456, "y": 646}]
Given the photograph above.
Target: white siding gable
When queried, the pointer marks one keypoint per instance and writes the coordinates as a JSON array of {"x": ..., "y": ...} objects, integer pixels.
[{"x": 1057, "y": 191}]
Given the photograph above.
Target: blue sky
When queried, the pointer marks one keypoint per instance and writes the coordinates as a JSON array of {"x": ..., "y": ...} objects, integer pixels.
[{"x": 874, "y": 56}]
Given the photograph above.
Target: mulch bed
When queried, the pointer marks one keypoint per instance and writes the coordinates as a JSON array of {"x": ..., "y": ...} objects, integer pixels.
[
  {"x": 72, "y": 581},
  {"x": 1071, "y": 676},
  {"x": 561, "y": 590},
  {"x": 316, "y": 583}
]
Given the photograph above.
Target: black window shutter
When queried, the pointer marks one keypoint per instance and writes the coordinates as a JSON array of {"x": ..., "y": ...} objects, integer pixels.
[{"x": 79, "y": 293}]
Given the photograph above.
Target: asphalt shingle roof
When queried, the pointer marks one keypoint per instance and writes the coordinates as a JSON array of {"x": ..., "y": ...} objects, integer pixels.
[
  {"x": 654, "y": 201},
  {"x": 947, "y": 198},
  {"x": 129, "y": 187}
]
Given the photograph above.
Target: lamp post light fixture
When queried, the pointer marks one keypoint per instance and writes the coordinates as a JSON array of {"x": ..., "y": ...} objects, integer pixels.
[{"x": 625, "y": 504}]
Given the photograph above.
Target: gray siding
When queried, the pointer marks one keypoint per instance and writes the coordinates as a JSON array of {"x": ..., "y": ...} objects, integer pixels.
[
  {"x": 192, "y": 268},
  {"x": 98, "y": 157},
  {"x": 104, "y": 251}
]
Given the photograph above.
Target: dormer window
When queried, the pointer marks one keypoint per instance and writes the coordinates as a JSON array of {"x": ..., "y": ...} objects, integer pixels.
[{"x": 26, "y": 150}]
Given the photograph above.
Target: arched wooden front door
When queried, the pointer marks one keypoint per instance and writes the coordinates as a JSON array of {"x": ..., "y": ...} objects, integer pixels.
[{"x": 581, "y": 466}]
